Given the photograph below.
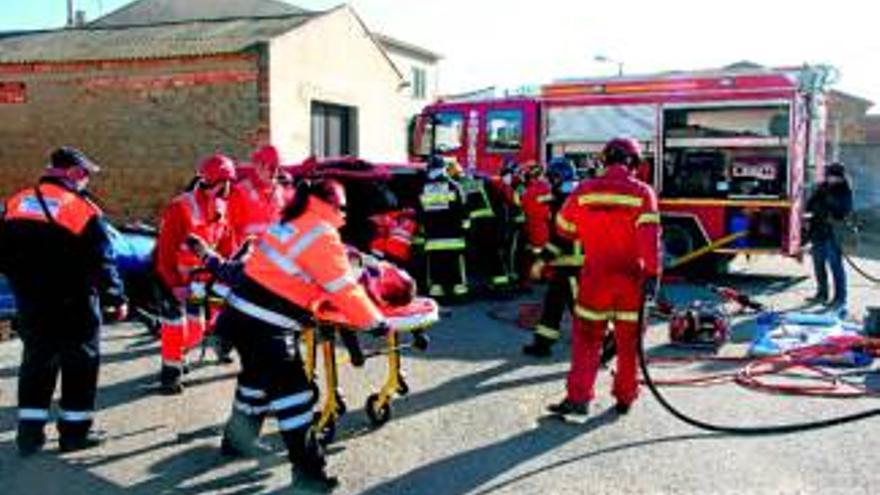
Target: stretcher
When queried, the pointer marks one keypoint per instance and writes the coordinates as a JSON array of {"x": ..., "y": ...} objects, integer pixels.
[{"x": 413, "y": 319}]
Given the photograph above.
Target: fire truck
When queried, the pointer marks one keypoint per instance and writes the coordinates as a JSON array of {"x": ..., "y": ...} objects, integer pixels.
[{"x": 730, "y": 152}]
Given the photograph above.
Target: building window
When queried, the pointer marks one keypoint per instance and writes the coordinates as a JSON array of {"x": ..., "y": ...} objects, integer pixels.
[
  {"x": 334, "y": 130},
  {"x": 419, "y": 83},
  {"x": 504, "y": 130}
]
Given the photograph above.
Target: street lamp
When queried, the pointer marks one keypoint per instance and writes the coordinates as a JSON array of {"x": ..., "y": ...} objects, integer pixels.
[{"x": 603, "y": 58}]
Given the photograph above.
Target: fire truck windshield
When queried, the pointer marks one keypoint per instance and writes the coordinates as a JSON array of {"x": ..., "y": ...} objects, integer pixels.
[{"x": 443, "y": 130}]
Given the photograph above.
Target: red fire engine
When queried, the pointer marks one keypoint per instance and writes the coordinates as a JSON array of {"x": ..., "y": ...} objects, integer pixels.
[{"x": 730, "y": 152}]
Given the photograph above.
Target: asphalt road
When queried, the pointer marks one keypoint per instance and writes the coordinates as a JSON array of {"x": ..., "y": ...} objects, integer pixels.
[{"x": 473, "y": 422}]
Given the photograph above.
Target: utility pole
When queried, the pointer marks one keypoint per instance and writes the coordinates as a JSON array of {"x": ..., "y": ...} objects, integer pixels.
[{"x": 70, "y": 18}]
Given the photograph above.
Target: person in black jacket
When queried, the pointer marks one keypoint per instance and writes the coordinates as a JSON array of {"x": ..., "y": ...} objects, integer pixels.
[
  {"x": 444, "y": 218},
  {"x": 55, "y": 249},
  {"x": 829, "y": 206}
]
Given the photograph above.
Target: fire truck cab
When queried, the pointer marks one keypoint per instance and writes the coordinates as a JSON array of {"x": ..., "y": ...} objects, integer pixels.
[{"x": 729, "y": 152}]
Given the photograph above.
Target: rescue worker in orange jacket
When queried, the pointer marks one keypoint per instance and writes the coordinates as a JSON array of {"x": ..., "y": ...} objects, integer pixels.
[
  {"x": 558, "y": 259},
  {"x": 200, "y": 212},
  {"x": 616, "y": 219},
  {"x": 298, "y": 265},
  {"x": 257, "y": 198},
  {"x": 56, "y": 251}
]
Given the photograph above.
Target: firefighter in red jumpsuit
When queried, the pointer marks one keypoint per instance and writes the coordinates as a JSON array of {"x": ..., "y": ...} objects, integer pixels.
[
  {"x": 615, "y": 217},
  {"x": 256, "y": 199},
  {"x": 200, "y": 212},
  {"x": 535, "y": 201}
]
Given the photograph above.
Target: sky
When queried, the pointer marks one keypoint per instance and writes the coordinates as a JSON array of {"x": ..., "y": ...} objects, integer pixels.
[{"x": 510, "y": 43}]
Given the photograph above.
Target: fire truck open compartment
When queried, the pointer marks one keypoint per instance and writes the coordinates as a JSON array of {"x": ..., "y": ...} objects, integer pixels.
[{"x": 726, "y": 153}]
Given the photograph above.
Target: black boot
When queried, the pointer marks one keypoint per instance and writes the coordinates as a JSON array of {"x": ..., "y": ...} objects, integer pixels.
[
  {"x": 30, "y": 438},
  {"x": 73, "y": 443},
  {"x": 170, "y": 381},
  {"x": 309, "y": 465},
  {"x": 541, "y": 347},
  {"x": 241, "y": 436}
]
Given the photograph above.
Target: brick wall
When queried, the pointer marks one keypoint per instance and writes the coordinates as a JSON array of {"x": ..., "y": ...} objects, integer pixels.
[{"x": 147, "y": 123}]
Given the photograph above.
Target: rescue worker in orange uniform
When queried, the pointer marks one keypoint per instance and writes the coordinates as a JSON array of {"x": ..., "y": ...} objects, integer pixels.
[
  {"x": 55, "y": 249},
  {"x": 616, "y": 219},
  {"x": 563, "y": 257},
  {"x": 296, "y": 266},
  {"x": 257, "y": 198},
  {"x": 200, "y": 212}
]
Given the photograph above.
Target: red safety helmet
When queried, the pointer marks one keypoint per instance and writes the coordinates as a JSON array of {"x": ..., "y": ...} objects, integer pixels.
[
  {"x": 622, "y": 151},
  {"x": 388, "y": 285},
  {"x": 267, "y": 158},
  {"x": 699, "y": 324},
  {"x": 217, "y": 168}
]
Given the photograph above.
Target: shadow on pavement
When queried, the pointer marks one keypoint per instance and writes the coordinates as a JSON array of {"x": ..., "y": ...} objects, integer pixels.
[
  {"x": 594, "y": 453},
  {"x": 463, "y": 472}
]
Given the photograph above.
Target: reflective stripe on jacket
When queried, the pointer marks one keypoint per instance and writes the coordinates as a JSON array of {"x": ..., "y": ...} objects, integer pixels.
[{"x": 305, "y": 262}]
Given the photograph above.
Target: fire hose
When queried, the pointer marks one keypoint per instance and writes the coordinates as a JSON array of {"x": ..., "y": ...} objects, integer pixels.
[{"x": 780, "y": 429}]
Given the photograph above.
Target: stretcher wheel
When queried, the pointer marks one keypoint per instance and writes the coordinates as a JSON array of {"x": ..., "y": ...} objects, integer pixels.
[
  {"x": 402, "y": 386},
  {"x": 327, "y": 434},
  {"x": 341, "y": 406},
  {"x": 378, "y": 415}
]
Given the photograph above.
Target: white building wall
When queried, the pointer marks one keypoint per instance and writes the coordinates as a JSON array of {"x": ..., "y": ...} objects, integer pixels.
[
  {"x": 332, "y": 59},
  {"x": 405, "y": 64}
]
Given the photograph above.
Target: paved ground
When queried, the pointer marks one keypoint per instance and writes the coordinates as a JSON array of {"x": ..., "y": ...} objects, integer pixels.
[{"x": 473, "y": 423}]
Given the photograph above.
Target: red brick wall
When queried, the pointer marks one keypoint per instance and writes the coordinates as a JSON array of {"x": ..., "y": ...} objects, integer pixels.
[{"x": 147, "y": 123}]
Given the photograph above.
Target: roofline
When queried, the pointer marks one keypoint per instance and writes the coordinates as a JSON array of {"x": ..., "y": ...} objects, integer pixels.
[
  {"x": 410, "y": 48},
  {"x": 89, "y": 27},
  {"x": 684, "y": 74},
  {"x": 129, "y": 5},
  {"x": 852, "y": 97},
  {"x": 372, "y": 37}
]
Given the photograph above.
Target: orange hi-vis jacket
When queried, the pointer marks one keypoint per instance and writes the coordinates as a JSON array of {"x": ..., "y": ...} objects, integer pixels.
[
  {"x": 189, "y": 213},
  {"x": 253, "y": 207},
  {"x": 69, "y": 210},
  {"x": 304, "y": 262},
  {"x": 617, "y": 221},
  {"x": 536, "y": 202}
]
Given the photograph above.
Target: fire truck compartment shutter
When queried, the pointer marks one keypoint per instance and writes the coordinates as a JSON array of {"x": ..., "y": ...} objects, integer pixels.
[{"x": 598, "y": 124}]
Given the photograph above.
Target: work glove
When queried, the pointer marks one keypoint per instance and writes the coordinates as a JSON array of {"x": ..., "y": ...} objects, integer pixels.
[
  {"x": 650, "y": 288},
  {"x": 536, "y": 273}
]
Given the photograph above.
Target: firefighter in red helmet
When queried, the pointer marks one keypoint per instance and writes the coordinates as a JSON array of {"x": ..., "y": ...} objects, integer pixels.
[
  {"x": 257, "y": 198},
  {"x": 615, "y": 218},
  {"x": 200, "y": 212}
]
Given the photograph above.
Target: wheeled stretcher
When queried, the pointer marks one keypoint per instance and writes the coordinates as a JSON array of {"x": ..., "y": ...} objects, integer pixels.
[{"x": 413, "y": 319}]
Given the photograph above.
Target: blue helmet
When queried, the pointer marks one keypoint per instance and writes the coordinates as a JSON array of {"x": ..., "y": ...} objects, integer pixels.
[{"x": 561, "y": 170}]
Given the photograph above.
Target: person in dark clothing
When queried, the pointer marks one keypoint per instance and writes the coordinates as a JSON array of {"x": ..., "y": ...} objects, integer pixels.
[
  {"x": 564, "y": 257},
  {"x": 444, "y": 218},
  {"x": 56, "y": 251},
  {"x": 829, "y": 206}
]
